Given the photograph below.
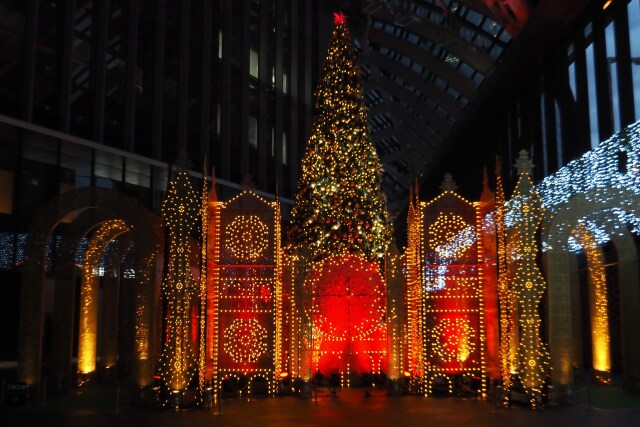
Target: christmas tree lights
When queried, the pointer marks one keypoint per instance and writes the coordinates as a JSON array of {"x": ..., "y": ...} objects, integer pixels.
[{"x": 339, "y": 206}]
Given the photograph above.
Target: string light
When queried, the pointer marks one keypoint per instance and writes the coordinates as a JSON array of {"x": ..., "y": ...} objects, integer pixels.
[
  {"x": 339, "y": 206},
  {"x": 179, "y": 212},
  {"x": 414, "y": 297},
  {"x": 245, "y": 340},
  {"x": 600, "y": 341},
  {"x": 528, "y": 284},
  {"x": 505, "y": 295},
  {"x": 247, "y": 237},
  {"x": 453, "y": 339},
  {"x": 445, "y": 296},
  {"x": 245, "y": 290},
  {"x": 89, "y": 292}
]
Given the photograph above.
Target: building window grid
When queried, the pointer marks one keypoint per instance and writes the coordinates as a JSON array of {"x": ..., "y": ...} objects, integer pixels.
[{"x": 633, "y": 13}]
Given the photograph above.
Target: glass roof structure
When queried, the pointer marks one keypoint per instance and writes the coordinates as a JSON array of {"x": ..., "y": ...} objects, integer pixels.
[{"x": 423, "y": 62}]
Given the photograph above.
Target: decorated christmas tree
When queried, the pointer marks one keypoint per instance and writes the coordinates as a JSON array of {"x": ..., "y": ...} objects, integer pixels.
[{"x": 339, "y": 206}]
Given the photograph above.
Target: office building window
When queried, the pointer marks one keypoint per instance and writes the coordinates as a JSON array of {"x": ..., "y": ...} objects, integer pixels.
[
  {"x": 253, "y": 63},
  {"x": 6, "y": 192},
  {"x": 253, "y": 132},
  {"x": 593, "y": 100},
  {"x": 633, "y": 9}
]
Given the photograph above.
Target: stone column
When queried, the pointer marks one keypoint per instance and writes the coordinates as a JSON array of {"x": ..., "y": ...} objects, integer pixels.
[
  {"x": 144, "y": 318},
  {"x": 560, "y": 321},
  {"x": 62, "y": 345},
  {"x": 109, "y": 323},
  {"x": 628, "y": 278},
  {"x": 31, "y": 312}
]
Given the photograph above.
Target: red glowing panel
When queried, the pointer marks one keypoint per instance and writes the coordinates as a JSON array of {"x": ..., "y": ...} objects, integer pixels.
[{"x": 347, "y": 312}]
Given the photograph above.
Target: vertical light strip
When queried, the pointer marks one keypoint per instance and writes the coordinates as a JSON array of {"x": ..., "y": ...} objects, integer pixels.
[
  {"x": 600, "y": 340},
  {"x": 89, "y": 293}
]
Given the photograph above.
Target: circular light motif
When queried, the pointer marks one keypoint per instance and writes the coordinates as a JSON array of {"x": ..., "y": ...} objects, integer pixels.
[
  {"x": 247, "y": 237},
  {"x": 245, "y": 340},
  {"x": 453, "y": 340},
  {"x": 450, "y": 236}
]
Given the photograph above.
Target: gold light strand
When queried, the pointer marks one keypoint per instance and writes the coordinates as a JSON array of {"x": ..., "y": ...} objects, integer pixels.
[
  {"x": 245, "y": 340},
  {"x": 204, "y": 234},
  {"x": 415, "y": 349},
  {"x": 453, "y": 340},
  {"x": 600, "y": 341},
  {"x": 504, "y": 292},
  {"x": 179, "y": 211},
  {"x": 278, "y": 356},
  {"x": 213, "y": 291},
  {"x": 247, "y": 237},
  {"x": 529, "y": 285},
  {"x": 88, "y": 324},
  {"x": 480, "y": 296}
]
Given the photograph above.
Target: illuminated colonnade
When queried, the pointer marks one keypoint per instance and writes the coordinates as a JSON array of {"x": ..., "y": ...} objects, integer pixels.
[
  {"x": 591, "y": 200},
  {"x": 88, "y": 329}
]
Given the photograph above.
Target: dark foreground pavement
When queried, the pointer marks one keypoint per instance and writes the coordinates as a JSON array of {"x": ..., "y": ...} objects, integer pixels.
[{"x": 350, "y": 408}]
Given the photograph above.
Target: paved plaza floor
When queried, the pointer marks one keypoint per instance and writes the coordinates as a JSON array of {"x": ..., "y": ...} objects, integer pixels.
[{"x": 96, "y": 406}]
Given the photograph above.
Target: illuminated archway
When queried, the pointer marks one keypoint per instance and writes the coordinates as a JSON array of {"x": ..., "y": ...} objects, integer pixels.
[
  {"x": 605, "y": 213},
  {"x": 88, "y": 324},
  {"x": 147, "y": 236}
]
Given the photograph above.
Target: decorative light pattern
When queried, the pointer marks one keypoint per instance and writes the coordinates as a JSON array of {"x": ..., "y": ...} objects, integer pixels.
[
  {"x": 89, "y": 293},
  {"x": 244, "y": 295},
  {"x": 414, "y": 295},
  {"x": 179, "y": 212},
  {"x": 347, "y": 311},
  {"x": 600, "y": 342},
  {"x": 453, "y": 339},
  {"x": 245, "y": 340},
  {"x": 212, "y": 345},
  {"x": 528, "y": 284},
  {"x": 202, "y": 323},
  {"x": 450, "y": 236},
  {"x": 607, "y": 176},
  {"x": 247, "y": 237},
  {"x": 505, "y": 295},
  {"x": 451, "y": 261},
  {"x": 339, "y": 206}
]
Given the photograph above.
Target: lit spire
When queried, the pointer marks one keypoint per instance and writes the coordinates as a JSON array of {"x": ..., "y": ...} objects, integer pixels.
[
  {"x": 524, "y": 164},
  {"x": 448, "y": 184}
]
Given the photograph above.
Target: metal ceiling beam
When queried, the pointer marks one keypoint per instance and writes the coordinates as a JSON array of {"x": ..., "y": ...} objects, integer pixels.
[
  {"x": 428, "y": 88},
  {"x": 445, "y": 38},
  {"x": 449, "y": 74},
  {"x": 427, "y": 112}
]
